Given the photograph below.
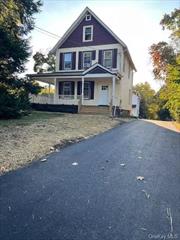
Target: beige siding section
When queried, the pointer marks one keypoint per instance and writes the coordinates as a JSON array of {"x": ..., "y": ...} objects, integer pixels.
[{"x": 126, "y": 86}]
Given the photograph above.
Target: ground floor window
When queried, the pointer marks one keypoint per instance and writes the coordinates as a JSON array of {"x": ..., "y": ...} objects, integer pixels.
[
  {"x": 87, "y": 90},
  {"x": 67, "y": 88}
]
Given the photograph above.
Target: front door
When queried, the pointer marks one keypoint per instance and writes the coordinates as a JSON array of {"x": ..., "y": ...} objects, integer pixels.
[{"x": 104, "y": 95}]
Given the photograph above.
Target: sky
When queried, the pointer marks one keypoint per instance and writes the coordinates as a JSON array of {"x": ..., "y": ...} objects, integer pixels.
[{"x": 135, "y": 22}]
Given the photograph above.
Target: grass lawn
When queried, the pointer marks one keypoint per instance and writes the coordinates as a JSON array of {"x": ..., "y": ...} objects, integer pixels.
[
  {"x": 31, "y": 137},
  {"x": 34, "y": 117}
]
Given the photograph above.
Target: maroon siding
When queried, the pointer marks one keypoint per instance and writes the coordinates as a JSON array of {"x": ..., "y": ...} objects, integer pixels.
[{"x": 100, "y": 36}]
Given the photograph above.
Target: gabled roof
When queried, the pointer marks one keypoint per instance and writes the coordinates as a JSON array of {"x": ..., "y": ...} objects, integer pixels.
[
  {"x": 97, "y": 68},
  {"x": 77, "y": 22}
]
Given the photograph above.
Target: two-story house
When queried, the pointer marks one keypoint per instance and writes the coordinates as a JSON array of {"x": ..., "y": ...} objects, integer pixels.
[{"x": 94, "y": 69}]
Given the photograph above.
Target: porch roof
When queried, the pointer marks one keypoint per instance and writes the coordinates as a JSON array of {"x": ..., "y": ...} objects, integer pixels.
[
  {"x": 98, "y": 69},
  {"x": 55, "y": 74},
  {"x": 95, "y": 70}
]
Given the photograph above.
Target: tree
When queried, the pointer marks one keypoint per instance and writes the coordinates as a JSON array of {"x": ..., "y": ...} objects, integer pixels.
[
  {"x": 147, "y": 104},
  {"x": 44, "y": 63},
  {"x": 171, "y": 91},
  {"x": 163, "y": 113},
  {"x": 16, "y": 21},
  {"x": 172, "y": 22},
  {"x": 162, "y": 54},
  {"x": 166, "y": 63}
]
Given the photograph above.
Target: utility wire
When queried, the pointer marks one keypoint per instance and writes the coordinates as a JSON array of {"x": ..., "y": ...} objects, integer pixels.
[
  {"x": 55, "y": 36},
  {"x": 41, "y": 29}
]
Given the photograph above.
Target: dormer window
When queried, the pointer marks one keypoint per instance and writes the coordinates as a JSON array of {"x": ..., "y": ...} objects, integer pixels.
[
  {"x": 88, "y": 17},
  {"x": 88, "y": 33}
]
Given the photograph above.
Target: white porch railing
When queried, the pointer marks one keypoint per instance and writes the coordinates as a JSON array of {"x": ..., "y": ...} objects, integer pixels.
[
  {"x": 42, "y": 99},
  {"x": 57, "y": 99},
  {"x": 71, "y": 97}
]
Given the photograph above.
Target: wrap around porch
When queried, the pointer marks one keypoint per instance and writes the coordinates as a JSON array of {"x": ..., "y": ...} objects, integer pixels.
[{"x": 81, "y": 89}]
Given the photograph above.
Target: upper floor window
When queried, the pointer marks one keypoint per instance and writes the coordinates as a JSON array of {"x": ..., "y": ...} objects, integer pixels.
[
  {"x": 87, "y": 33},
  {"x": 87, "y": 59},
  {"x": 88, "y": 17},
  {"x": 67, "y": 61},
  {"x": 107, "y": 60}
]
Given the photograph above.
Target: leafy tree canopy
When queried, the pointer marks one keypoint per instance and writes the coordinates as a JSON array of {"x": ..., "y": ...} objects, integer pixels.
[
  {"x": 166, "y": 64},
  {"x": 16, "y": 21},
  {"x": 146, "y": 94},
  {"x": 44, "y": 63}
]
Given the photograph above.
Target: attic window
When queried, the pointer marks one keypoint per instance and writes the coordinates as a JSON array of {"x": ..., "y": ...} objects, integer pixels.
[
  {"x": 88, "y": 17},
  {"x": 88, "y": 33}
]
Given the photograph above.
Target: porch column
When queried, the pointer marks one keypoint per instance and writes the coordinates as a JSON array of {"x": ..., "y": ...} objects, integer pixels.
[
  {"x": 75, "y": 90},
  {"x": 82, "y": 91},
  {"x": 55, "y": 90},
  {"x": 113, "y": 90}
]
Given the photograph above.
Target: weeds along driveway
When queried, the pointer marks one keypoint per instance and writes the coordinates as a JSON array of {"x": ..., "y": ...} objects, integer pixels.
[{"x": 33, "y": 136}]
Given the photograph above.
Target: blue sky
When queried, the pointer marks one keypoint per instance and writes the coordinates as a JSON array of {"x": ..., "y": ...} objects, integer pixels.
[{"x": 135, "y": 22}]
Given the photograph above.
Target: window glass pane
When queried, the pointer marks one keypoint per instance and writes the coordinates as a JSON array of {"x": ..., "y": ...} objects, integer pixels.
[
  {"x": 87, "y": 59},
  {"x": 108, "y": 54},
  {"x": 67, "y": 88},
  {"x": 108, "y": 59},
  {"x": 67, "y": 61},
  {"x": 67, "y": 57},
  {"x": 88, "y": 33},
  {"x": 87, "y": 90}
]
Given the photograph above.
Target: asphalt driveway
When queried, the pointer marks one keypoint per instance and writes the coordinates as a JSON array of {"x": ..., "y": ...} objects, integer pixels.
[{"x": 90, "y": 190}]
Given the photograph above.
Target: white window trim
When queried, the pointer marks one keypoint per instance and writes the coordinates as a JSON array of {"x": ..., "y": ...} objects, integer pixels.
[
  {"x": 84, "y": 55},
  {"x": 64, "y": 61},
  {"x": 88, "y": 17},
  {"x": 84, "y": 28},
  {"x": 89, "y": 90},
  {"x": 70, "y": 87},
  {"x": 104, "y": 58}
]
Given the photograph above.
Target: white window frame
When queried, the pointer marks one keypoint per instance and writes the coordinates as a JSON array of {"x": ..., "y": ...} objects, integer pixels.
[
  {"x": 84, "y": 30},
  {"x": 88, "y": 17},
  {"x": 88, "y": 84},
  {"x": 84, "y": 58},
  {"x": 70, "y": 88},
  {"x": 64, "y": 60},
  {"x": 104, "y": 52}
]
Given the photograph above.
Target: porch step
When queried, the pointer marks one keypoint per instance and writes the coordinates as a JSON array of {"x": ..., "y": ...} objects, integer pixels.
[{"x": 94, "y": 109}]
